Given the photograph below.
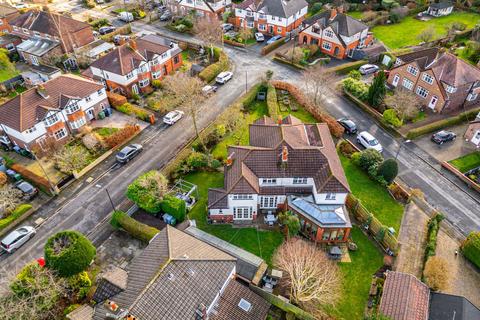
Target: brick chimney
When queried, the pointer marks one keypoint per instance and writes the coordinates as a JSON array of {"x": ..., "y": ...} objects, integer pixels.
[
  {"x": 333, "y": 13},
  {"x": 284, "y": 154},
  {"x": 229, "y": 160},
  {"x": 279, "y": 120},
  {"x": 340, "y": 9},
  {"x": 133, "y": 44}
]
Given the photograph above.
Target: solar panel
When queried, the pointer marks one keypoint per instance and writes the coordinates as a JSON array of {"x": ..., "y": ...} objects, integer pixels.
[{"x": 325, "y": 214}]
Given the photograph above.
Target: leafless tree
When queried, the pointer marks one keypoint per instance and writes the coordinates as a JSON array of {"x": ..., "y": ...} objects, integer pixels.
[
  {"x": 295, "y": 54},
  {"x": 10, "y": 198},
  {"x": 311, "y": 277},
  {"x": 188, "y": 91},
  {"x": 427, "y": 34},
  {"x": 404, "y": 102},
  {"x": 71, "y": 158},
  {"x": 319, "y": 83},
  {"x": 245, "y": 33},
  {"x": 210, "y": 31}
]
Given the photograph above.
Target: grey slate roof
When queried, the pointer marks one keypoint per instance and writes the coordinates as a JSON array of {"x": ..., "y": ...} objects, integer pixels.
[
  {"x": 342, "y": 24},
  {"x": 282, "y": 8},
  {"x": 446, "y": 307},
  {"x": 441, "y": 5}
]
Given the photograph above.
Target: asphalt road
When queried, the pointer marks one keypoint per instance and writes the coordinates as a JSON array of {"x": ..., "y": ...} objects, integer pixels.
[{"x": 83, "y": 205}]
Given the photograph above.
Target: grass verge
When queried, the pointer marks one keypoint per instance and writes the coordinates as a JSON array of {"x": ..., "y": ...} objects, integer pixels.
[{"x": 467, "y": 162}]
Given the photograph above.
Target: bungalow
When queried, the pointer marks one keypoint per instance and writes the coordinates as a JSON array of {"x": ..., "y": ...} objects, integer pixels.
[
  {"x": 202, "y": 8},
  {"x": 335, "y": 33},
  {"x": 287, "y": 166},
  {"x": 272, "y": 17},
  {"x": 50, "y": 113},
  {"x": 439, "y": 9},
  {"x": 443, "y": 82},
  {"x": 131, "y": 68}
]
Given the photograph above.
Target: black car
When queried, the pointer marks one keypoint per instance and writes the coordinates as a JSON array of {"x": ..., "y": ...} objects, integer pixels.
[
  {"x": 128, "y": 153},
  {"x": 29, "y": 191},
  {"x": 349, "y": 125},
  {"x": 106, "y": 30},
  {"x": 443, "y": 136}
]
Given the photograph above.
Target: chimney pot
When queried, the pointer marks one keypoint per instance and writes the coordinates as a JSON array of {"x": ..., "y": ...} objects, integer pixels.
[
  {"x": 333, "y": 13},
  {"x": 284, "y": 154},
  {"x": 229, "y": 161},
  {"x": 279, "y": 120}
]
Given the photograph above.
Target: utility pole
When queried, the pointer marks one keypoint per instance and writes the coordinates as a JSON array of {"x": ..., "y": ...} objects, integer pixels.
[
  {"x": 246, "y": 81},
  {"x": 400, "y": 148},
  {"x": 111, "y": 202}
]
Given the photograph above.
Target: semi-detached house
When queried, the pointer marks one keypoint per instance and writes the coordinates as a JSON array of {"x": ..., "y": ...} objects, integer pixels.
[
  {"x": 202, "y": 8},
  {"x": 131, "y": 68},
  {"x": 52, "y": 112},
  {"x": 287, "y": 166},
  {"x": 7, "y": 13},
  {"x": 272, "y": 17}
]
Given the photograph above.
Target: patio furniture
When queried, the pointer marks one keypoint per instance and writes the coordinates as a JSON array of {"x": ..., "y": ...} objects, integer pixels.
[
  {"x": 270, "y": 219},
  {"x": 276, "y": 274}
]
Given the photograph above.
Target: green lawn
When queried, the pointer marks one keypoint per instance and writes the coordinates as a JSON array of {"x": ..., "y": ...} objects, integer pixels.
[
  {"x": 372, "y": 195},
  {"x": 467, "y": 162},
  {"x": 261, "y": 243},
  {"x": 105, "y": 132},
  {"x": 6, "y": 73},
  {"x": 355, "y": 14},
  {"x": 356, "y": 278},
  {"x": 405, "y": 33}
]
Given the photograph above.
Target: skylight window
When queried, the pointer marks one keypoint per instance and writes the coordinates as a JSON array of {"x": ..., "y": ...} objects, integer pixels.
[{"x": 245, "y": 305}]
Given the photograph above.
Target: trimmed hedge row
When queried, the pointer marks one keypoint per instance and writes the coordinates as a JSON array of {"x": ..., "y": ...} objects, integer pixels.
[
  {"x": 116, "y": 99},
  {"x": 471, "y": 248},
  {"x": 210, "y": 72},
  {"x": 175, "y": 207},
  {"x": 17, "y": 213},
  {"x": 130, "y": 109},
  {"x": 441, "y": 124},
  {"x": 120, "y": 136},
  {"x": 432, "y": 232},
  {"x": 272, "y": 46},
  {"x": 39, "y": 181},
  {"x": 347, "y": 67},
  {"x": 136, "y": 229},
  {"x": 272, "y": 102}
]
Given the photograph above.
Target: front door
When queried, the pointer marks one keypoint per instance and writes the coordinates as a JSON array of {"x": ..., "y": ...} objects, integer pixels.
[
  {"x": 90, "y": 114},
  {"x": 396, "y": 78},
  {"x": 270, "y": 29},
  {"x": 135, "y": 89},
  {"x": 336, "y": 51},
  {"x": 433, "y": 102}
]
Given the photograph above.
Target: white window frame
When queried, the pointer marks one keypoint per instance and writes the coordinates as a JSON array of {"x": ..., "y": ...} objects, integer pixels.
[
  {"x": 250, "y": 24},
  {"x": 100, "y": 92},
  {"x": 71, "y": 108},
  {"x": 327, "y": 46},
  {"x": 60, "y": 134},
  {"x": 269, "y": 181},
  {"x": 330, "y": 196},
  {"x": 143, "y": 83},
  {"x": 262, "y": 27},
  {"x": 450, "y": 89},
  {"x": 249, "y": 13},
  {"x": 129, "y": 75},
  {"x": 279, "y": 29},
  {"x": 268, "y": 202},
  {"x": 156, "y": 74},
  {"x": 78, "y": 123},
  {"x": 242, "y": 213},
  {"x": 88, "y": 99},
  {"x": 30, "y": 130},
  {"x": 427, "y": 78},
  {"x": 407, "y": 83},
  {"x": 242, "y": 197},
  {"x": 299, "y": 180},
  {"x": 472, "y": 96},
  {"x": 422, "y": 92},
  {"x": 329, "y": 34},
  {"x": 412, "y": 70},
  {"x": 51, "y": 120}
]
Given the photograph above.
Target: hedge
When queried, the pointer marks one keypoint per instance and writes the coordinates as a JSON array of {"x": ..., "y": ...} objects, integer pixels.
[
  {"x": 142, "y": 191},
  {"x": 38, "y": 181},
  {"x": 432, "y": 232},
  {"x": 116, "y": 99},
  {"x": 441, "y": 124},
  {"x": 75, "y": 256},
  {"x": 471, "y": 248},
  {"x": 272, "y": 46},
  {"x": 17, "y": 213},
  {"x": 347, "y": 67},
  {"x": 130, "y": 109},
  {"x": 136, "y": 229},
  {"x": 175, "y": 207},
  {"x": 120, "y": 136},
  {"x": 272, "y": 102},
  {"x": 123, "y": 30},
  {"x": 280, "y": 59},
  {"x": 212, "y": 71}
]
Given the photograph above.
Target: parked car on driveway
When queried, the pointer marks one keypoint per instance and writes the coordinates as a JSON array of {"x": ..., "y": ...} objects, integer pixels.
[
  {"x": 106, "y": 30},
  {"x": 227, "y": 27},
  {"x": 368, "y": 69},
  {"x": 208, "y": 90},
  {"x": 443, "y": 136},
  {"x": 128, "y": 153},
  {"x": 223, "y": 77},
  {"x": 17, "y": 238},
  {"x": 349, "y": 125},
  {"x": 273, "y": 39},
  {"x": 368, "y": 141},
  {"x": 259, "y": 37},
  {"x": 29, "y": 191},
  {"x": 172, "y": 117}
]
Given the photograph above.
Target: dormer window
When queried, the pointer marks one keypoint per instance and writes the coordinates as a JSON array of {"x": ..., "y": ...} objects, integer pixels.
[
  {"x": 30, "y": 130},
  {"x": 269, "y": 181},
  {"x": 330, "y": 196},
  {"x": 129, "y": 75},
  {"x": 450, "y": 89},
  {"x": 88, "y": 99},
  {"x": 297, "y": 180},
  {"x": 249, "y": 13},
  {"x": 73, "y": 107},
  {"x": 100, "y": 92},
  {"x": 51, "y": 120},
  {"x": 329, "y": 33},
  {"x": 164, "y": 55},
  {"x": 412, "y": 70}
]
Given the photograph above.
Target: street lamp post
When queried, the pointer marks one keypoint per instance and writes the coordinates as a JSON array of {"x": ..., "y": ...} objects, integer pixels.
[
  {"x": 400, "y": 148},
  {"x": 246, "y": 81},
  {"x": 111, "y": 202}
]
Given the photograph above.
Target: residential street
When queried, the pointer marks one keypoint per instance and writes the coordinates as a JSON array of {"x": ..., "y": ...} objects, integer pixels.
[{"x": 83, "y": 205}]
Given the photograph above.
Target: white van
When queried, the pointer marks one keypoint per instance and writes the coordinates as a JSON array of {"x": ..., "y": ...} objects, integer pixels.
[
  {"x": 126, "y": 16},
  {"x": 223, "y": 77}
]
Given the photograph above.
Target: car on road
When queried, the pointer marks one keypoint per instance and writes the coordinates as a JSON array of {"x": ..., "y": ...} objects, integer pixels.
[
  {"x": 273, "y": 39},
  {"x": 17, "y": 238},
  {"x": 259, "y": 37},
  {"x": 368, "y": 69},
  {"x": 106, "y": 30},
  {"x": 227, "y": 27},
  {"x": 443, "y": 136},
  {"x": 368, "y": 141},
  {"x": 349, "y": 125},
  {"x": 223, "y": 77},
  {"x": 128, "y": 153},
  {"x": 208, "y": 90},
  {"x": 29, "y": 191},
  {"x": 172, "y": 117},
  {"x": 167, "y": 15}
]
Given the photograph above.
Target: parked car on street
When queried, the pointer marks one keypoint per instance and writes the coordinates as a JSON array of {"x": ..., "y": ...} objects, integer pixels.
[
  {"x": 368, "y": 69},
  {"x": 273, "y": 39},
  {"x": 128, "y": 153},
  {"x": 106, "y": 30},
  {"x": 259, "y": 37},
  {"x": 29, "y": 191},
  {"x": 17, "y": 238},
  {"x": 172, "y": 117},
  {"x": 126, "y": 16},
  {"x": 368, "y": 141},
  {"x": 223, "y": 77},
  {"x": 227, "y": 27},
  {"x": 208, "y": 90},
  {"x": 443, "y": 136},
  {"x": 167, "y": 15},
  {"x": 349, "y": 125}
]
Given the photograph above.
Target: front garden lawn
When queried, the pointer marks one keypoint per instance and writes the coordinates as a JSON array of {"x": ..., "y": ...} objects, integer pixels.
[
  {"x": 259, "y": 242},
  {"x": 405, "y": 32},
  {"x": 6, "y": 73},
  {"x": 373, "y": 196},
  {"x": 355, "y": 14},
  {"x": 105, "y": 131},
  {"x": 467, "y": 162}
]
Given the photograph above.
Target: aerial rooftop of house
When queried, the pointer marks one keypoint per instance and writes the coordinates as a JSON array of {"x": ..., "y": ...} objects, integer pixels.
[
  {"x": 281, "y": 8},
  {"x": 7, "y": 10},
  {"x": 341, "y": 23}
]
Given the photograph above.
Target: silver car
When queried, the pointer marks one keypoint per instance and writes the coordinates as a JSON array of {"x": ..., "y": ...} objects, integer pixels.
[
  {"x": 17, "y": 238},
  {"x": 128, "y": 153}
]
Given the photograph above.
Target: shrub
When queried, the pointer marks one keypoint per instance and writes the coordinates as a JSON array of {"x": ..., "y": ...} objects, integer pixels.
[
  {"x": 130, "y": 109},
  {"x": 367, "y": 158},
  {"x": 197, "y": 160},
  {"x": 148, "y": 190},
  {"x": 471, "y": 248},
  {"x": 291, "y": 221},
  {"x": 345, "y": 68},
  {"x": 120, "y": 136},
  {"x": 377, "y": 90},
  {"x": 346, "y": 148},
  {"x": 436, "y": 273},
  {"x": 14, "y": 215},
  {"x": 355, "y": 74},
  {"x": 136, "y": 229},
  {"x": 175, "y": 207},
  {"x": 317, "y": 6},
  {"x": 390, "y": 116},
  {"x": 3, "y": 179},
  {"x": 356, "y": 87},
  {"x": 99, "y": 23},
  {"x": 71, "y": 308},
  {"x": 31, "y": 177},
  {"x": 71, "y": 158},
  {"x": 69, "y": 252},
  {"x": 116, "y": 99},
  {"x": 432, "y": 231},
  {"x": 272, "y": 102},
  {"x": 80, "y": 283},
  {"x": 388, "y": 169},
  {"x": 156, "y": 83},
  {"x": 210, "y": 72}
]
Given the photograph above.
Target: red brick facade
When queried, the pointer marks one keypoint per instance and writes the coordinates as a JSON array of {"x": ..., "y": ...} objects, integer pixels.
[{"x": 262, "y": 26}]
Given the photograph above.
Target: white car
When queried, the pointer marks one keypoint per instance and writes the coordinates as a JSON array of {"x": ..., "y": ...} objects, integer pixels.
[
  {"x": 368, "y": 68},
  {"x": 368, "y": 141},
  {"x": 208, "y": 90},
  {"x": 17, "y": 238},
  {"x": 259, "y": 37},
  {"x": 223, "y": 77},
  {"x": 20, "y": 5},
  {"x": 172, "y": 117}
]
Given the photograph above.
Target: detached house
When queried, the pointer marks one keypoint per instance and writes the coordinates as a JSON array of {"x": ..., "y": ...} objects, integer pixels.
[
  {"x": 443, "y": 82},
  {"x": 272, "y": 17},
  {"x": 203, "y": 8},
  {"x": 288, "y": 166},
  {"x": 131, "y": 68},
  {"x": 48, "y": 34},
  {"x": 52, "y": 112},
  {"x": 335, "y": 33}
]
